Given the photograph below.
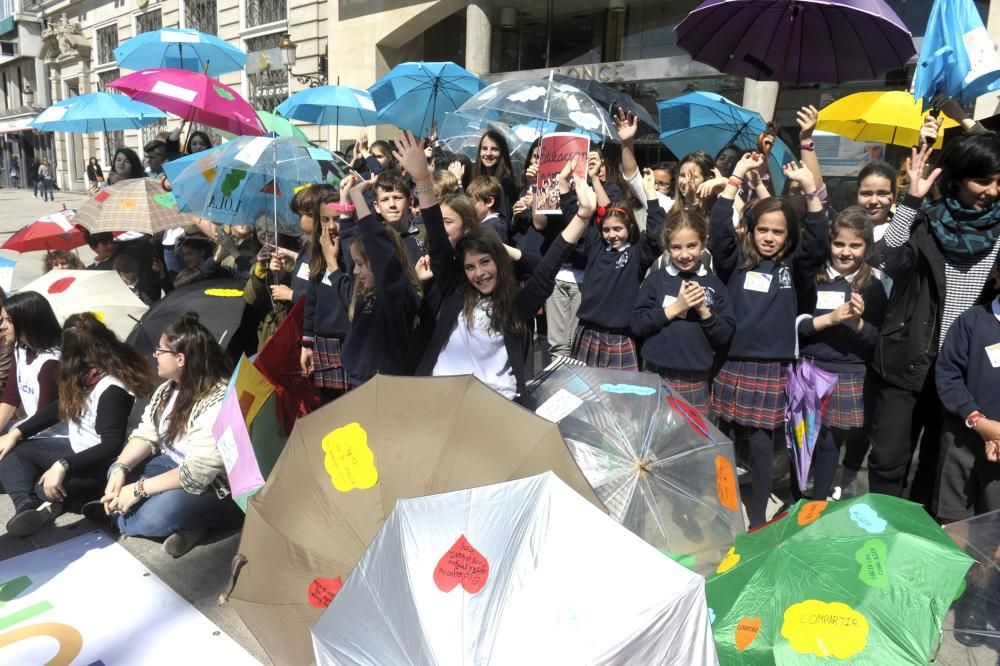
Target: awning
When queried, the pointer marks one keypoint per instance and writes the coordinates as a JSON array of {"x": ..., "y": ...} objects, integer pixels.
[{"x": 16, "y": 125}]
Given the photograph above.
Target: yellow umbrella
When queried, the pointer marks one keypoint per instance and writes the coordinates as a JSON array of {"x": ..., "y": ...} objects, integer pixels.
[{"x": 882, "y": 117}]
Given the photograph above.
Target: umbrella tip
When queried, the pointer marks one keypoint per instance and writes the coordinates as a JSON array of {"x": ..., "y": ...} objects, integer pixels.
[{"x": 642, "y": 467}]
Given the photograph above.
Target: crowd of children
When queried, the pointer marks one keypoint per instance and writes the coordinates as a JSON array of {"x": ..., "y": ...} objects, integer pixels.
[{"x": 425, "y": 263}]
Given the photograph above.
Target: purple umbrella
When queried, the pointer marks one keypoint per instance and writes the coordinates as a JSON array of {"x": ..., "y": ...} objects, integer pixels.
[
  {"x": 797, "y": 41},
  {"x": 809, "y": 389}
]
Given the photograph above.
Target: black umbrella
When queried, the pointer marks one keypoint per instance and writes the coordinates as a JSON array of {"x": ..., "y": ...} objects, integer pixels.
[
  {"x": 220, "y": 307},
  {"x": 609, "y": 97}
]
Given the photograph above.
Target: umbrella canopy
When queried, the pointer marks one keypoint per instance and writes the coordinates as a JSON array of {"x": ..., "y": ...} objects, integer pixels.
[
  {"x": 493, "y": 575},
  {"x": 250, "y": 180},
  {"x": 868, "y": 579},
  {"x": 331, "y": 105},
  {"x": 662, "y": 470},
  {"x": 353, "y": 458},
  {"x": 809, "y": 389},
  {"x": 519, "y": 101},
  {"x": 975, "y": 617},
  {"x": 609, "y": 97},
  {"x": 219, "y": 304},
  {"x": 415, "y": 95},
  {"x": 55, "y": 231},
  {"x": 102, "y": 293},
  {"x": 710, "y": 122},
  {"x": 194, "y": 97},
  {"x": 180, "y": 48},
  {"x": 274, "y": 125},
  {"x": 797, "y": 41},
  {"x": 883, "y": 117},
  {"x": 136, "y": 204},
  {"x": 96, "y": 112},
  {"x": 461, "y": 133}
]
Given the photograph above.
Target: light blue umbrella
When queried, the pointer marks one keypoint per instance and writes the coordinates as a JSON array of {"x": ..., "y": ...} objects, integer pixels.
[
  {"x": 414, "y": 95},
  {"x": 251, "y": 180},
  {"x": 331, "y": 105},
  {"x": 180, "y": 48},
  {"x": 96, "y": 112},
  {"x": 710, "y": 122}
]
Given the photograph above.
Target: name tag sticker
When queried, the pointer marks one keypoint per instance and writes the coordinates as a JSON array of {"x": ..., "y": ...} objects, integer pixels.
[
  {"x": 757, "y": 282},
  {"x": 303, "y": 273},
  {"x": 993, "y": 351},
  {"x": 668, "y": 301},
  {"x": 830, "y": 300}
]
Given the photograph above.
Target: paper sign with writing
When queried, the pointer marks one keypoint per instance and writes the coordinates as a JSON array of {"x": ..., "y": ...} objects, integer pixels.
[
  {"x": 747, "y": 630},
  {"x": 825, "y": 629},
  {"x": 873, "y": 558},
  {"x": 725, "y": 483},
  {"x": 462, "y": 565},
  {"x": 555, "y": 150},
  {"x": 348, "y": 460},
  {"x": 559, "y": 406},
  {"x": 323, "y": 590},
  {"x": 810, "y": 512}
]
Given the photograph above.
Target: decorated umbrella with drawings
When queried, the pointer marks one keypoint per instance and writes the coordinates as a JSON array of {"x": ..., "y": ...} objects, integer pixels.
[
  {"x": 102, "y": 293},
  {"x": 136, "y": 204},
  {"x": 662, "y": 470},
  {"x": 274, "y": 125},
  {"x": 868, "y": 580},
  {"x": 341, "y": 472},
  {"x": 809, "y": 389},
  {"x": 55, "y": 231},
  {"x": 498, "y": 575},
  {"x": 180, "y": 48}
]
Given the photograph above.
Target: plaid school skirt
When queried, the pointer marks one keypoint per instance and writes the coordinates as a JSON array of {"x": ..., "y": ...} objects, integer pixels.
[
  {"x": 846, "y": 407},
  {"x": 692, "y": 386},
  {"x": 751, "y": 393},
  {"x": 604, "y": 348},
  {"x": 328, "y": 368}
]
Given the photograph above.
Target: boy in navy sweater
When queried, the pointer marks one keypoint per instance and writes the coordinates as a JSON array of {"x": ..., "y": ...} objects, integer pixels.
[
  {"x": 392, "y": 203},
  {"x": 486, "y": 192}
]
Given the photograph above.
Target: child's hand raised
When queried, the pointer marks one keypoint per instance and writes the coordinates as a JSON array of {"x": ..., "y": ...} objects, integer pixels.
[
  {"x": 802, "y": 175},
  {"x": 753, "y": 160},
  {"x": 920, "y": 185},
  {"x": 806, "y": 117},
  {"x": 423, "y": 268},
  {"x": 649, "y": 183},
  {"x": 626, "y": 125},
  {"x": 586, "y": 198},
  {"x": 457, "y": 169},
  {"x": 566, "y": 174},
  {"x": 409, "y": 152}
]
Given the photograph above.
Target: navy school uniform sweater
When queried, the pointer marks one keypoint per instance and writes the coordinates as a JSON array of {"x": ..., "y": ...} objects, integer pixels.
[
  {"x": 499, "y": 224},
  {"x": 446, "y": 297},
  {"x": 765, "y": 299},
  {"x": 611, "y": 285},
  {"x": 379, "y": 333},
  {"x": 328, "y": 296},
  {"x": 841, "y": 348},
  {"x": 687, "y": 343},
  {"x": 414, "y": 246},
  {"x": 300, "y": 274},
  {"x": 968, "y": 366}
]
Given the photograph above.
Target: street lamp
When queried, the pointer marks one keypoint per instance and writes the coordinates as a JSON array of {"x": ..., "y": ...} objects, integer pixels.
[{"x": 288, "y": 47}]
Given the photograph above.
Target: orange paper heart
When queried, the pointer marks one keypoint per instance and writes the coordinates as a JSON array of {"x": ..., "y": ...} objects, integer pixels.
[
  {"x": 464, "y": 565},
  {"x": 810, "y": 512},
  {"x": 746, "y": 632},
  {"x": 725, "y": 483}
]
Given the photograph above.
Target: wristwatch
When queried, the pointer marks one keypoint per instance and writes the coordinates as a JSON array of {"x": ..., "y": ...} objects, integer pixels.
[
  {"x": 973, "y": 419},
  {"x": 64, "y": 463}
]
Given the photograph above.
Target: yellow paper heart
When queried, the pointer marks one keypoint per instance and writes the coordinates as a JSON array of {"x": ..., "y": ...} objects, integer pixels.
[
  {"x": 127, "y": 204},
  {"x": 731, "y": 559},
  {"x": 208, "y": 175}
]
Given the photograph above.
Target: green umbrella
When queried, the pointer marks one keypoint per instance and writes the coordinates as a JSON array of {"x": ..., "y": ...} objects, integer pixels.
[
  {"x": 867, "y": 580},
  {"x": 276, "y": 124}
]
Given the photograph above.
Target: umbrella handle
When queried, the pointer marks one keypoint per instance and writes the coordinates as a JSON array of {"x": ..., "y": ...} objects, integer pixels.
[{"x": 239, "y": 561}]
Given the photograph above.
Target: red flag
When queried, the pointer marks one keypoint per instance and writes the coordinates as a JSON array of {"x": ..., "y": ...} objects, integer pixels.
[{"x": 278, "y": 361}]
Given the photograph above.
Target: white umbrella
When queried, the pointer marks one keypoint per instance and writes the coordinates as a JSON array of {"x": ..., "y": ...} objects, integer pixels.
[
  {"x": 100, "y": 292},
  {"x": 522, "y": 572}
]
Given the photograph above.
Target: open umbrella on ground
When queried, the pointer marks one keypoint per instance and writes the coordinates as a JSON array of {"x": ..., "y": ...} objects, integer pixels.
[
  {"x": 96, "y": 112},
  {"x": 663, "y": 472},
  {"x": 220, "y": 307},
  {"x": 809, "y": 389},
  {"x": 710, "y": 122},
  {"x": 55, "y": 231},
  {"x": 416, "y": 95},
  {"x": 517, "y": 101},
  {"x": 251, "y": 180},
  {"x": 972, "y": 630},
  {"x": 499, "y": 575},
  {"x": 609, "y": 97},
  {"x": 136, "y": 204},
  {"x": 882, "y": 117},
  {"x": 193, "y": 97},
  {"x": 868, "y": 580},
  {"x": 101, "y": 292},
  {"x": 180, "y": 48},
  {"x": 341, "y": 472}
]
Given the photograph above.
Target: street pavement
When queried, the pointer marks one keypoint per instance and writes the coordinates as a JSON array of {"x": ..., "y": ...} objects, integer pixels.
[{"x": 201, "y": 575}]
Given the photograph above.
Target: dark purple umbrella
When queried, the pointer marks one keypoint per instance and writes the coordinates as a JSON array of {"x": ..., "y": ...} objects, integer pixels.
[{"x": 797, "y": 41}]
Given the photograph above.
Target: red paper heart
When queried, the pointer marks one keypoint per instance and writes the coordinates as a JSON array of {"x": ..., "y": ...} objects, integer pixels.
[
  {"x": 323, "y": 590},
  {"x": 689, "y": 414},
  {"x": 102, "y": 196},
  {"x": 462, "y": 564},
  {"x": 60, "y": 285}
]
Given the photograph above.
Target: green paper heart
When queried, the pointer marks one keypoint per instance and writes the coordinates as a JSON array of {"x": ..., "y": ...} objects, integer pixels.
[
  {"x": 166, "y": 200},
  {"x": 232, "y": 181},
  {"x": 874, "y": 568},
  {"x": 223, "y": 93}
]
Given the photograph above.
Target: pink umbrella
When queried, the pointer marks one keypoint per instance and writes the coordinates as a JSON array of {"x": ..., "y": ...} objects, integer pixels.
[{"x": 192, "y": 96}]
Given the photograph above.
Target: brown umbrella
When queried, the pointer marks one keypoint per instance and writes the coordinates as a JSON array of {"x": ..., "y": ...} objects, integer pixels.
[
  {"x": 343, "y": 469},
  {"x": 136, "y": 204}
]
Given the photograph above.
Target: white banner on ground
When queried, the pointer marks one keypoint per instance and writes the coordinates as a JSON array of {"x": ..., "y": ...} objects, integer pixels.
[{"x": 87, "y": 601}]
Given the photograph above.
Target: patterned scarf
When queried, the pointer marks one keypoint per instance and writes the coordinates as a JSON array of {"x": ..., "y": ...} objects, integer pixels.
[{"x": 962, "y": 232}]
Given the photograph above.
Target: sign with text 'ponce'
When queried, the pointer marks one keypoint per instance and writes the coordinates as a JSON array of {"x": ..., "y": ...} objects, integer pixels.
[{"x": 555, "y": 150}]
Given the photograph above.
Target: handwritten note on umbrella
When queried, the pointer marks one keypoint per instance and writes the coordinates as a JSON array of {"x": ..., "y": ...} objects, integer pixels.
[{"x": 462, "y": 565}]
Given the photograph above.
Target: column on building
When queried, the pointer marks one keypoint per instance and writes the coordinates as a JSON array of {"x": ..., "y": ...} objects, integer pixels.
[{"x": 477, "y": 37}]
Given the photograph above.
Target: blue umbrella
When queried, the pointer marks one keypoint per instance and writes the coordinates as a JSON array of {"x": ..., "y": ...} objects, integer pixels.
[
  {"x": 710, "y": 122},
  {"x": 180, "y": 48},
  {"x": 251, "y": 180},
  {"x": 414, "y": 95},
  {"x": 331, "y": 105},
  {"x": 96, "y": 112}
]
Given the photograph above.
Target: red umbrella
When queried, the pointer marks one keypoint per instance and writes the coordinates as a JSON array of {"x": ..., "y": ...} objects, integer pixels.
[
  {"x": 55, "y": 231},
  {"x": 192, "y": 96}
]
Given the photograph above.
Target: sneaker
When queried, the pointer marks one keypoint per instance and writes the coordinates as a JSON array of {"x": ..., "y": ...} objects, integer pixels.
[
  {"x": 847, "y": 484},
  {"x": 180, "y": 542},
  {"x": 94, "y": 511},
  {"x": 27, "y": 522}
]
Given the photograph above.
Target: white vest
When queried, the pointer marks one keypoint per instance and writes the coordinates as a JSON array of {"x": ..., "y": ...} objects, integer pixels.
[
  {"x": 83, "y": 433},
  {"x": 27, "y": 376}
]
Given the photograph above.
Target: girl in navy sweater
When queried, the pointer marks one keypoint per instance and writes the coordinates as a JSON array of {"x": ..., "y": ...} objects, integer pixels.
[
  {"x": 325, "y": 321},
  {"x": 617, "y": 260},
  {"x": 683, "y": 312},
  {"x": 840, "y": 337},
  {"x": 385, "y": 297},
  {"x": 762, "y": 274}
]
